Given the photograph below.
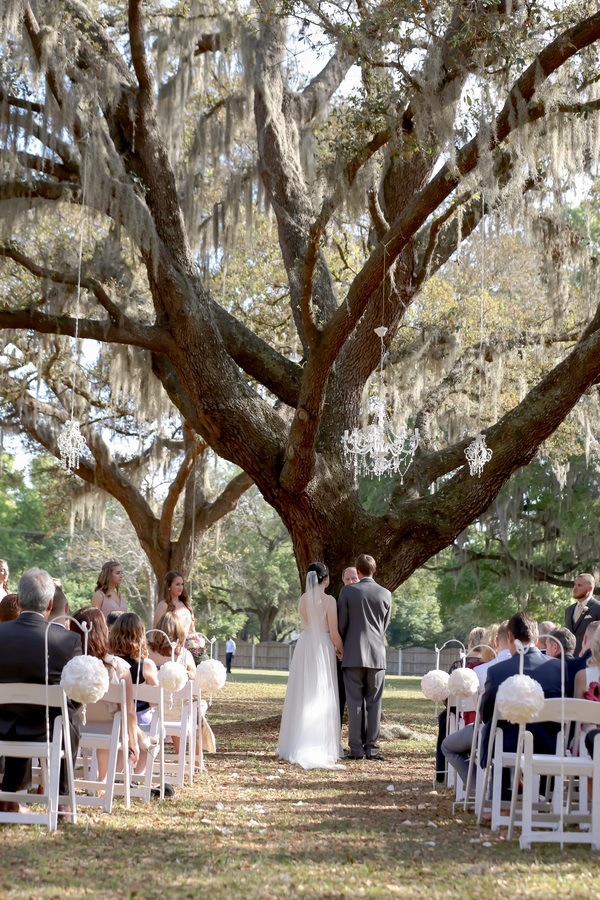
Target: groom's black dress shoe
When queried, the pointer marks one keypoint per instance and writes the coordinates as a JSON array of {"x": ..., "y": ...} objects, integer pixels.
[
  {"x": 352, "y": 756},
  {"x": 376, "y": 755}
]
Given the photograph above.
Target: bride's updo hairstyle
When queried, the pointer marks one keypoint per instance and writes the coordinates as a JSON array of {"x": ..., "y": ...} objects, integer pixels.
[{"x": 320, "y": 570}]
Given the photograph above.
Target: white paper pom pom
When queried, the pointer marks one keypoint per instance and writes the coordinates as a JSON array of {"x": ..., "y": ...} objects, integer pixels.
[
  {"x": 84, "y": 679},
  {"x": 520, "y": 699},
  {"x": 435, "y": 685},
  {"x": 172, "y": 676},
  {"x": 211, "y": 675},
  {"x": 463, "y": 683}
]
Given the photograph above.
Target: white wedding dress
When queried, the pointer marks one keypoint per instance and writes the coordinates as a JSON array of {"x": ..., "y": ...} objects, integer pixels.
[{"x": 310, "y": 725}]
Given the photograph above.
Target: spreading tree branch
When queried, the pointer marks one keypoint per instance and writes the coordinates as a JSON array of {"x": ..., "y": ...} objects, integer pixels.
[{"x": 516, "y": 112}]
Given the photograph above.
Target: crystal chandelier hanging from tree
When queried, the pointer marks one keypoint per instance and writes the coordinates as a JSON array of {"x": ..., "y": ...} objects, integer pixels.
[
  {"x": 477, "y": 453},
  {"x": 71, "y": 442},
  {"x": 378, "y": 449}
]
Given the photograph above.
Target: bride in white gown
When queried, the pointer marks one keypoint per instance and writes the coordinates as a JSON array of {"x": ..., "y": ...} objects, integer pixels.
[{"x": 310, "y": 724}]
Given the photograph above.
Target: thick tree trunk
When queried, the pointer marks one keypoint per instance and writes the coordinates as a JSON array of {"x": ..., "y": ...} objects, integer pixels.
[{"x": 266, "y": 618}]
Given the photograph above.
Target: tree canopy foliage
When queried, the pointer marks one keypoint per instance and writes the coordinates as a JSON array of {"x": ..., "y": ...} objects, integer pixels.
[{"x": 375, "y": 137}]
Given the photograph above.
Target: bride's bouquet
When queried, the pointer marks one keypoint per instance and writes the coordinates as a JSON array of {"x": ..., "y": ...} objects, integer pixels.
[{"x": 196, "y": 644}]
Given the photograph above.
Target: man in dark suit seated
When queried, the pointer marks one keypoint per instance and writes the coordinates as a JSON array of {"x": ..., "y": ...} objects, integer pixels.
[
  {"x": 585, "y": 609},
  {"x": 23, "y": 660},
  {"x": 522, "y": 627}
]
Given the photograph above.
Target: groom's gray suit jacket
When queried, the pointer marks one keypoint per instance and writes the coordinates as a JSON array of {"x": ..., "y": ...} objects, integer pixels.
[{"x": 363, "y": 616}]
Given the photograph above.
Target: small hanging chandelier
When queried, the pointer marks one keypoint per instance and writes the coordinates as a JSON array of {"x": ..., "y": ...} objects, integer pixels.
[
  {"x": 378, "y": 449},
  {"x": 478, "y": 455},
  {"x": 71, "y": 444}
]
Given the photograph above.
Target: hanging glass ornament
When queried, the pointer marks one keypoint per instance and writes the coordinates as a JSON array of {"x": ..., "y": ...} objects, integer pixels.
[
  {"x": 71, "y": 444},
  {"x": 478, "y": 455}
]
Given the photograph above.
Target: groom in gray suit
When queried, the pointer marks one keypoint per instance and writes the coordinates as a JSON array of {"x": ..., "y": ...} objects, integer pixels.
[{"x": 363, "y": 616}]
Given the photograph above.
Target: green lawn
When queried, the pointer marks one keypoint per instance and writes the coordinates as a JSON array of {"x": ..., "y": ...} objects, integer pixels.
[{"x": 254, "y": 827}]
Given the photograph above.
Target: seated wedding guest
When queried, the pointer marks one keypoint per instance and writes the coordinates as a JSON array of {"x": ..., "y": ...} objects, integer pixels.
[
  {"x": 60, "y": 607},
  {"x": 521, "y": 627},
  {"x": 544, "y": 629},
  {"x": 23, "y": 659},
  {"x": 112, "y": 618},
  {"x": 175, "y": 600},
  {"x": 127, "y": 639},
  {"x": 580, "y": 662},
  {"x": 502, "y": 652},
  {"x": 9, "y": 608},
  {"x": 107, "y": 595},
  {"x": 159, "y": 651},
  {"x": 472, "y": 661},
  {"x": 4, "y": 575},
  {"x": 159, "y": 648},
  {"x": 587, "y": 685},
  {"x": 565, "y": 638},
  {"x": 457, "y": 746},
  {"x": 100, "y": 715}
]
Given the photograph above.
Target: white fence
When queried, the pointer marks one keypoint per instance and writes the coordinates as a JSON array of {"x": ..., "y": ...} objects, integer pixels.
[{"x": 278, "y": 655}]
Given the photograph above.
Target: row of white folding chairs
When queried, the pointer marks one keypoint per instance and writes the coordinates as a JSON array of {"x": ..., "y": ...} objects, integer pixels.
[
  {"x": 564, "y": 803},
  {"x": 115, "y": 741}
]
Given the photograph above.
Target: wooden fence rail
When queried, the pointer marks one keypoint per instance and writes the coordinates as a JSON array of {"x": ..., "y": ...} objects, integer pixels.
[{"x": 278, "y": 655}]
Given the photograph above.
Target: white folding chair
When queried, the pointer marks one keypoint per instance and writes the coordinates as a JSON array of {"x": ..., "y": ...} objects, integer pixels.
[
  {"x": 197, "y": 727},
  {"x": 182, "y": 727},
  {"x": 114, "y": 739},
  {"x": 546, "y": 822},
  {"x": 142, "y": 785},
  {"x": 497, "y": 759},
  {"x": 470, "y": 793},
  {"x": 49, "y": 754}
]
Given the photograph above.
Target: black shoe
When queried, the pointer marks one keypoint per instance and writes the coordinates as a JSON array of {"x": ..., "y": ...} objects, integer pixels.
[
  {"x": 169, "y": 791},
  {"x": 376, "y": 755},
  {"x": 352, "y": 756}
]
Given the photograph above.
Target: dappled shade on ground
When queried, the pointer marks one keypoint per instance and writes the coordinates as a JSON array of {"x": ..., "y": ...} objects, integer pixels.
[{"x": 255, "y": 827}]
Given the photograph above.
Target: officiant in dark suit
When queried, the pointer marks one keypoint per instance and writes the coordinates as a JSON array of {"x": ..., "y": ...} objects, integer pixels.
[
  {"x": 23, "y": 660},
  {"x": 363, "y": 616},
  {"x": 585, "y": 609}
]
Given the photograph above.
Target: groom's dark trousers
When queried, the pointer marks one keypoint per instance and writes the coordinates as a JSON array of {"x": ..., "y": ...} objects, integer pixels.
[
  {"x": 364, "y": 690},
  {"x": 363, "y": 616}
]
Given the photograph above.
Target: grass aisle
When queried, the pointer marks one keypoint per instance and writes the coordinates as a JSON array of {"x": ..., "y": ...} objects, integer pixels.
[{"x": 254, "y": 827}]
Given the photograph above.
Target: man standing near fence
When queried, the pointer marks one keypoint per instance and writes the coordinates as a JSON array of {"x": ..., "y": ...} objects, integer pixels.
[{"x": 229, "y": 653}]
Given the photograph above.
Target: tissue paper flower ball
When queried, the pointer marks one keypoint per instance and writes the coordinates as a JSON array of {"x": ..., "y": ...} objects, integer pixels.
[
  {"x": 172, "y": 676},
  {"x": 435, "y": 685},
  {"x": 463, "y": 683},
  {"x": 211, "y": 675},
  {"x": 84, "y": 679},
  {"x": 520, "y": 699}
]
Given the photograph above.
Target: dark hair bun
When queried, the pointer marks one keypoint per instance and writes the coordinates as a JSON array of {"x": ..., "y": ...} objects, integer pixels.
[{"x": 320, "y": 570}]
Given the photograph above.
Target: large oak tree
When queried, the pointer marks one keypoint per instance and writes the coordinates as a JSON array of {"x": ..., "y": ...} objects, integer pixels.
[{"x": 170, "y": 118}]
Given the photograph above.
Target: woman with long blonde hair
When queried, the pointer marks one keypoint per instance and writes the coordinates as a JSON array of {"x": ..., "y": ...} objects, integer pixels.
[{"x": 107, "y": 596}]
